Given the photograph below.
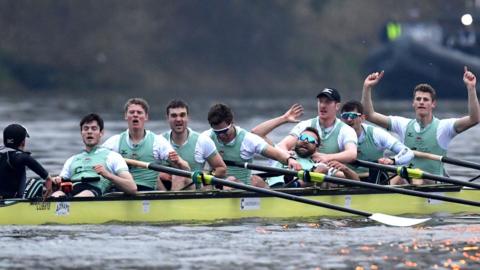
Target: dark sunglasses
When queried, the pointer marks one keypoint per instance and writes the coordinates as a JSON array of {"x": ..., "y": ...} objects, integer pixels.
[
  {"x": 222, "y": 131},
  {"x": 351, "y": 115},
  {"x": 307, "y": 138}
]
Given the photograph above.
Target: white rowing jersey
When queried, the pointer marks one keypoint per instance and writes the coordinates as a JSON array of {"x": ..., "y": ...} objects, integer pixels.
[{"x": 445, "y": 131}]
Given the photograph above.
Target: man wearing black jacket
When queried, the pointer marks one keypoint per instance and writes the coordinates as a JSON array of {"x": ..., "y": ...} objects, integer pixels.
[{"x": 14, "y": 161}]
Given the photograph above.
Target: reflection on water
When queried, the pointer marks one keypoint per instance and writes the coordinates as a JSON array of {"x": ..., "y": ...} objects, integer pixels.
[
  {"x": 448, "y": 243},
  {"x": 320, "y": 244}
]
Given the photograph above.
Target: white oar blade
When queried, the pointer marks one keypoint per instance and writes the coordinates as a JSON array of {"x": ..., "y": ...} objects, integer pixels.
[{"x": 397, "y": 221}]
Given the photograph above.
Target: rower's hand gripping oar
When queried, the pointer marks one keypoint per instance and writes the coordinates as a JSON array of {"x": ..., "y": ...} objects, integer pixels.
[
  {"x": 209, "y": 179},
  {"x": 415, "y": 173},
  {"x": 320, "y": 177},
  {"x": 449, "y": 160}
]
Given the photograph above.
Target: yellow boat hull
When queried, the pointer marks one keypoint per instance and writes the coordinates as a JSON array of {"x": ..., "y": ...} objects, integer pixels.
[{"x": 220, "y": 205}]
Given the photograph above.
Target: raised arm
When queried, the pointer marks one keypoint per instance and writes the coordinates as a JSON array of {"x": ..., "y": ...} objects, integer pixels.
[
  {"x": 291, "y": 116},
  {"x": 287, "y": 143},
  {"x": 372, "y": 116},
  {"x": 473, "y": 116}
]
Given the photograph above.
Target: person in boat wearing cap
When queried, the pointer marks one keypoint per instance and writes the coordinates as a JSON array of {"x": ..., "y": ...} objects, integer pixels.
[
  {"x": 141, "y": 144},
  {"x": 339, "y": 141},
  {"x": 195, "y": 148},
  {"x": 425, "y": 132},
  {"x": 95, "y": 169},
  {"x": 372, "y": 144},
  {"x": 239, "y": 145},
  {"x": 305, "y": 148},
  {"x": 14, "y": 161}
]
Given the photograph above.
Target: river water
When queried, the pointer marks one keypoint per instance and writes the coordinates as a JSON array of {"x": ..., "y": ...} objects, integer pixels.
[{"x": 450, "y": 242}]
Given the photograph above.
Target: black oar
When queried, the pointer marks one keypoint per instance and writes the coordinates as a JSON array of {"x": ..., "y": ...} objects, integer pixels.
[
  {"x": 209, "y": 179},
  {"x": 320, "y": 177},
  {"x": 415, "y": 173},
  {"x": 449, "y": 160}
]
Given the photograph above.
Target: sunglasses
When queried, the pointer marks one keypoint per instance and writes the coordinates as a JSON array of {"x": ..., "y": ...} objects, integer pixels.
[
  {"x": 351, "y": 115},
  {"x": 222, "y": 130},
  {"x": 308, "y": 138}
]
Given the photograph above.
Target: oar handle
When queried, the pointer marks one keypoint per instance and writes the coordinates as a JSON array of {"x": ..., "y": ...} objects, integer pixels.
[
  {"x": 427, "y": 155},
  {"x": 136, "y": 163}
]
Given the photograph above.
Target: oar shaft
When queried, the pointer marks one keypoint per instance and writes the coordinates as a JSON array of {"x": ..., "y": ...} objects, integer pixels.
[
  {"x": 464, "y": 163},
  {"x": 215, "y": 180},
  {"x": 347, "y": 182},
  {"x": 449, "y": 160},
  {"x": 424, "y": 175},
  {"x": 274, "y": 193},
  {"x": 415, "y": 193}
]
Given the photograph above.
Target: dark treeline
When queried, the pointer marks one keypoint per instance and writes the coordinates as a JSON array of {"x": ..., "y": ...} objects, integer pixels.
[{"x": 233, "y": 47}]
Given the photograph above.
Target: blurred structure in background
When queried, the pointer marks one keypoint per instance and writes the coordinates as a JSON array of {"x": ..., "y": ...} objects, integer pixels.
[{"x": 416, "y": 51}]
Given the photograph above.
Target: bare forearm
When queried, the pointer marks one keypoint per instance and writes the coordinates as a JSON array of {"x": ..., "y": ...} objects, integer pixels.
[
  {"x": 276, "y": 154},
  {"x": 367, "y": 101},
  {"x": 124, "y": 182},
  {"x": 346, "y": 156},
  {"x": 181, "y": 164},
  {"x": 287, "y": 143},
  {"x": 220, "y": 172},
  {"x": 266, "y": 127},
  {"x": 350, "y": 174},
  {"x": 473, "y": 106}
]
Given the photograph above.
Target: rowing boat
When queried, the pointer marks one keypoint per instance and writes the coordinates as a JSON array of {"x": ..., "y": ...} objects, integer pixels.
[{"x": 216, "y": 205}]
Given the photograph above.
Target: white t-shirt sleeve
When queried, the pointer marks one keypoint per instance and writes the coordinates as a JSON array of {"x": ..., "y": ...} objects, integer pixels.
[
  {"x": 66, "y": 173},
  {"x": 383, "y": 139},
  {"x": 252, "y": 144},
  {"x": 113, "y": 143},
  {"x": 204, "y": 149},
  {"x": 161, "y": 148},
  {"x": 346, "y": 135},
  {"x": 446, "y": 132},
  {"x": 398, "y": 125},
  {"x": 115, "y": 163},
  {"x": 300, "y": 127}
]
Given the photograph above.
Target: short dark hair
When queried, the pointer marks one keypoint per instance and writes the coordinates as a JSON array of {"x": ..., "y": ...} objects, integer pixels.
[
  {"x": 176, "y": 103},
  {"x": 352, "y": 105},
  {"x": 314, "y": 131},
  {"x": 220, "y": 113},
  {"x": 90, "y": 118},
  {"x": 427, "y": 88},
  {"x": 137, "y": 101}
]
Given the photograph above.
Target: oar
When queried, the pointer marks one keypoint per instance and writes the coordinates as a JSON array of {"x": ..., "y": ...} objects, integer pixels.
[
  {"x": 415, "y": 173},
  {"x": 320, "y": 177},
  {"x": 449, "y": 160},
  {"x": 209, "y": 179}
]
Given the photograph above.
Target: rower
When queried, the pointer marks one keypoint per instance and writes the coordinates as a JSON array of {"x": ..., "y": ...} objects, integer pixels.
[
  {"x": 13, "y": 162},
  {"x": 372, "y": 144},
  {"x": 141, "y": 144},
  {"x": 106, "y": 167},
  {"x": 425, "y": 133},
  {"x": 339, "y": 141},
  {"x": 195, "y": 148},
  {"x": 237, "y": 144},
  {"x": 305, "y": 148}
]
